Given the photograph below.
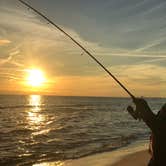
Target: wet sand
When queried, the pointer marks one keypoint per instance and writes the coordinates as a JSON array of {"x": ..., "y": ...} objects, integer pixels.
[{"x": 137, "y": 159}]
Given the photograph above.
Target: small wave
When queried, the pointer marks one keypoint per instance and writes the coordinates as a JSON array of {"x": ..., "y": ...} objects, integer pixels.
[
  {"x": 17, "y": 106},
  {"x": 17, "y": 131},
  {"x": 128, "y": 138}
]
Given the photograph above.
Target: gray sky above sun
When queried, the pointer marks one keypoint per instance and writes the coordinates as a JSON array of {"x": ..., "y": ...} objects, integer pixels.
[{"x": 127, "y": 36}]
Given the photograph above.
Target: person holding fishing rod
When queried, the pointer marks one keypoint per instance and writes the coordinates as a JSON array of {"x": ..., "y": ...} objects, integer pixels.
[{"x": 157, "y": 124}]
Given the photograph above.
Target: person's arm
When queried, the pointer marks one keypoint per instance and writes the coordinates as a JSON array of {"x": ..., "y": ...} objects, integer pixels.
[{"x": 143, "y": 112}]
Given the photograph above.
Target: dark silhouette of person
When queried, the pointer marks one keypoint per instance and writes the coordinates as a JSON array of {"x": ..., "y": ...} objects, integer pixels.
[{"x": 157, "y": 124}]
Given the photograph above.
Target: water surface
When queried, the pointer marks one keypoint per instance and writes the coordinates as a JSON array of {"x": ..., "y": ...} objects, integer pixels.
[{"x": 47, "y": 128}]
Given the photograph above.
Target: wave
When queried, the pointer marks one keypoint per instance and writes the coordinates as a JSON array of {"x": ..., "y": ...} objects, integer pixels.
[
  {"x": 71, "y": 106},
  {"x": 16, "y": 132},
  {"x": 64, "y": 151},
  {"x": 17, "y": 106}
]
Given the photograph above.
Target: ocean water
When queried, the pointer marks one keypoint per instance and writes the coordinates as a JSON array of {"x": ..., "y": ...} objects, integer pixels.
[{"x": 36, "y": 129}]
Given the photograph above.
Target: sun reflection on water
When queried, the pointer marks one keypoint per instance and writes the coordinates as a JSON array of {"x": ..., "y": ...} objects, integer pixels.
[
  {"x": 35, "y": 117},
  {"x": 35, "y": 102},
  {"x": 57, "y": 163}
]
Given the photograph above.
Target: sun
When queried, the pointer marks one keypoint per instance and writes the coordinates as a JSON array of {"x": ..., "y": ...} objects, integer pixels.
[{"x": 35, "y": 77}]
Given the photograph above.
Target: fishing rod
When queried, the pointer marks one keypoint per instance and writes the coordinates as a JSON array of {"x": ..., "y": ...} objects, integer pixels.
[{"x": 79, "y": 45}]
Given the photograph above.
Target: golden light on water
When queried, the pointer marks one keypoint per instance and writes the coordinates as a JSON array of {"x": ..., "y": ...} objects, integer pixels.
[
  {"x": 35, "y": 118},
  {"x": 57, "y": 163},
  {"x": 35, "y": 100},
  {"x": 35, "y": 77}
]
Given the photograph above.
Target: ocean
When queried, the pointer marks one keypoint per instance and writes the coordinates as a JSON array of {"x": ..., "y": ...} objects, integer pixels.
[{"x": 36, "y": 128}]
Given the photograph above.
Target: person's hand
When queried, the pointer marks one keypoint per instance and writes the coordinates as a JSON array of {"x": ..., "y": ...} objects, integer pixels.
[
  {"x": 132, "y": 112},
  {"x": 141, "y": 108}
]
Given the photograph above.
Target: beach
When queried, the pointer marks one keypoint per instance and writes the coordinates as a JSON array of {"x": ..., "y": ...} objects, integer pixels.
[{"x": 137, "y": 159}]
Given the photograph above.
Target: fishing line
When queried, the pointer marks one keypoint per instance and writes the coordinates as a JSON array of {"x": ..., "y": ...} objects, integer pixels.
[{"x": 78, "y": 44}]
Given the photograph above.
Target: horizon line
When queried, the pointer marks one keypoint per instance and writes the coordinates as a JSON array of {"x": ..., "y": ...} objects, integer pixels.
[{"x": 91, "y": 96}]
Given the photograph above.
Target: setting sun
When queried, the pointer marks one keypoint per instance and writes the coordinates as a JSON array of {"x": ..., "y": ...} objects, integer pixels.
[{"x": 35, "y": 77}]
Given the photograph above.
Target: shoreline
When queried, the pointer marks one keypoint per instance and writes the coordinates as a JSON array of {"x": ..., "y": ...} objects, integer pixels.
[{"x": 135, "y": 154}]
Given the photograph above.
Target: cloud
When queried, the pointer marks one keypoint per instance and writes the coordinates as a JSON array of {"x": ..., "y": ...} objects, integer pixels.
[
  {"x": 152, "y": 44},
  {"x": 5, "y": 60},
  {"x": 4, "y": 42},
  {"x": 148, "y": 74}
]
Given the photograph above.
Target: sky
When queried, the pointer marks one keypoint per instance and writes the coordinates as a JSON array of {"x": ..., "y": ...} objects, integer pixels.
[{"x": 127, "y": 36}]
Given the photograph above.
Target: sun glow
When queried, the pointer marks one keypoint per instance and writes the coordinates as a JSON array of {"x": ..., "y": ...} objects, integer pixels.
[{"x": 35, "y": 77}]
